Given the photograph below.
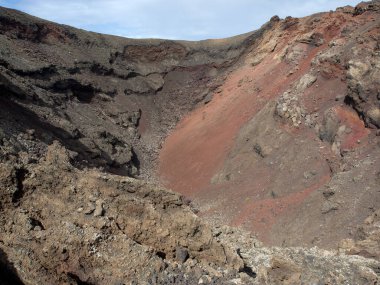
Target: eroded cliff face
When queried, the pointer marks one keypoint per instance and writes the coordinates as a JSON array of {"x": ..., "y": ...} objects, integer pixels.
[
  {"x": 109, "y": 99},
  {"x": 273, "y": 131}
]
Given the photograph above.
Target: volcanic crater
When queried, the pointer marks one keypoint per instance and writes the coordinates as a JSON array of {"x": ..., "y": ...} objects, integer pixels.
[{"x": 248, "y": 160}]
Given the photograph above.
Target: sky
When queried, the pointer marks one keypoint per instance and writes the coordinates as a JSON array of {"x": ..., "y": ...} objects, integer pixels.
[{"x": 170, "y": 19}]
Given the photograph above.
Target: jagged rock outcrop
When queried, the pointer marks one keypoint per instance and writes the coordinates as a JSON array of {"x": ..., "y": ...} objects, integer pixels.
[{"x": 61, "y": 225}]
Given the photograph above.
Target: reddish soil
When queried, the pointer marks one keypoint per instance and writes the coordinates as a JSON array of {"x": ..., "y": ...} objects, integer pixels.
[
  {"x": 202, "y": 144},
  {"x": 357, "y": 132},
  {"x": 259, "y": 216},
  {"x": 198, "y": 146}
]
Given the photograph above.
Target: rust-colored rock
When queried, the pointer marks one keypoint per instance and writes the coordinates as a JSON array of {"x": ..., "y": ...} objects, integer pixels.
[{"x": 298, "y": 114}]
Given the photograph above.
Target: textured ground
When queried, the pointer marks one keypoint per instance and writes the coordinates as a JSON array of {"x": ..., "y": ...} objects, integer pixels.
[
  {"x": 274, "y": 131},
  {"x": 288, "y": 147},
  {"x": 61, "y": 225}
]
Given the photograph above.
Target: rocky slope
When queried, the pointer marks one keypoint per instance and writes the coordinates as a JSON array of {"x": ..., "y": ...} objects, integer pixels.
[
  {"x": 109, "y": 99},
  {"x": 275, "y": 131},
  {"x": 289, "y": 146}
]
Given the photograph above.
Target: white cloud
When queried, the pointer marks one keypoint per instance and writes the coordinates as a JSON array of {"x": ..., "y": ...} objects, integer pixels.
[{"x": 196, "y": 19}]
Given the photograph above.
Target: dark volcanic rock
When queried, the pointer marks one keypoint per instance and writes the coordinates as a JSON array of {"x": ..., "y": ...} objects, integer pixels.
[{"x": 75, "y": 80}]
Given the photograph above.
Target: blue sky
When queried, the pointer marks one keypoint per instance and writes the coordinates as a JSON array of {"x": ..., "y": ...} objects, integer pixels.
[{"x": 170, "y": 19}]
